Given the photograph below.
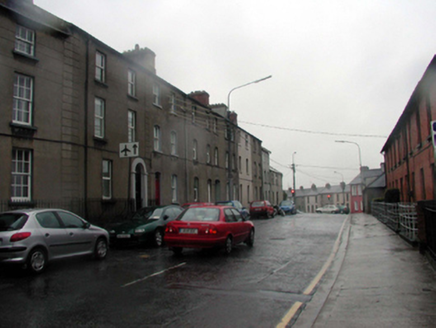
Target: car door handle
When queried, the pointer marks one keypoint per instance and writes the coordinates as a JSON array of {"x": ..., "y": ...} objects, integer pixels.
[
  {"x": 47, "y": 235},
  {"x": 71, "y": 233}
]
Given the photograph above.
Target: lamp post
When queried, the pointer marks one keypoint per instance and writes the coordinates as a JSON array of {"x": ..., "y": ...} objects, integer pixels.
[
  {"x": 293, "y": 181},
  {"x": 229, "y": 172},
  {"x": 360, "y": 165}
]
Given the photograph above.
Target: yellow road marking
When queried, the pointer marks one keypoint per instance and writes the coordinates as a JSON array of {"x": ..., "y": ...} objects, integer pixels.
[{"x": 293, "y": 310}]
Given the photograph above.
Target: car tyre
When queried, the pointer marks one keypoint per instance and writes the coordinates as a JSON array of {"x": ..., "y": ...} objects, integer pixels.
[
  {"x": 101, "y": 249},
  {"x": 228, "y": 245},
  {"x": 250, "y": 238},
  {"x": 177, "y": 250},
  {"x": 37, "y": 260},
  {"x": 158, "y": 238}
]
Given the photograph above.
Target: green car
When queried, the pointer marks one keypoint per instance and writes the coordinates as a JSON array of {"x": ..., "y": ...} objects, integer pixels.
[{"x": 147, "y": 225}]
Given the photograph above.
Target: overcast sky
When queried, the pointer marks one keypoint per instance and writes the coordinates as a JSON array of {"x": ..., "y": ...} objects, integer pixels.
[{"x": 341, "y": 70}]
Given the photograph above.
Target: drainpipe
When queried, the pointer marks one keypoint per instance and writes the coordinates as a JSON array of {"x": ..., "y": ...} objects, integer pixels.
[{"x": 85, "y": 194}]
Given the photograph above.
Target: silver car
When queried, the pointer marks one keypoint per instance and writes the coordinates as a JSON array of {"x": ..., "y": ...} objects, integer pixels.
[{"x": 33, "y": 237}]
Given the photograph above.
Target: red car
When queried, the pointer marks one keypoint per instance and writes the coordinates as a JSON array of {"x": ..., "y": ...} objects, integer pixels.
[
  {"x": 261, "y": 208},
  {"x": 209, "y": 227}
]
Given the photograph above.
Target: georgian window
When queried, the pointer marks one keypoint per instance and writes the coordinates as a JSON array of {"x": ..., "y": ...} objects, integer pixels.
[
  {"x": 23, "y": 100},
  {"x": 194, "y": 150},
  {"x": 227, "y": 160},
  {"x": 25, "y": 40},
  {"x": 215, "y": 124},
  {"x": 21, "y": 175},
  {"x": 174, "y": 188},
  {"x": 215, "y": 156},
  {"x": 100, "y": 66},
  {"x": 196, "y": 189},
  {"x": 208, "y": 154},
  {"x": 131, "y": 83},
  {"x": 173, "y": 140},
  {"x": 156, "y": 138},
  {"x": 99, "y": 118},
  {"x": 172, "y": 102},
  {"x": 156, "y": 95},
  {"x": 131, "y": 125},
  {"x": 194, "y": 113},
  {"x": 107, "y": 179}
]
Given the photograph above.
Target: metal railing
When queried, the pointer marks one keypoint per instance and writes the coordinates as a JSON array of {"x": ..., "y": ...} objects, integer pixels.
[{"x": 400, "y": 217}]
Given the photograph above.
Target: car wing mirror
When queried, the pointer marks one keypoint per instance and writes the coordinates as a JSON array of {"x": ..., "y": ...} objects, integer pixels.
[
  {"x": 86, "y": 225},
  {"x": 166, "y": 217}
]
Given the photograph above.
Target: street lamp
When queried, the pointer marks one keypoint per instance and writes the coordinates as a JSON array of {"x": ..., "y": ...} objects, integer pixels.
[
  {"x": 229, "y": 173},
  {"x": 360, "y": 164}
]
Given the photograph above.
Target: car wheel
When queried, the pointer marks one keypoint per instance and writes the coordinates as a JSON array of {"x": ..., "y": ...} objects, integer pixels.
[
  {"x": 228, "y": 246},
  {"x": 101, "y": 249},
  {"x": 158, "y": 238},
  {"x": 177, "y": 250},
  {"x": 37, "y": 260},
  {"x": 250, "y": 238}
]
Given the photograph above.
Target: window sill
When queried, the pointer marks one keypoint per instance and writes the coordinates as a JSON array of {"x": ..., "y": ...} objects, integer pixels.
[
  {"x": 25, "y": 56},
  {"x": 157, "y": 151},
  {"x": 109, "y": 201},
  {"x": 132, "y": 97},
  {"x": 22, "y": 130},
  {"x": 14, "y": 203},
  {"x": 101, "y": 141},
  {"x": 101, "y": 83},
  {"x": 157, "y": 105}
]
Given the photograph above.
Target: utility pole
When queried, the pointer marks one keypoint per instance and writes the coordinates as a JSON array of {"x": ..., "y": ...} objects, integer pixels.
[{"x": 293, "y": 169}]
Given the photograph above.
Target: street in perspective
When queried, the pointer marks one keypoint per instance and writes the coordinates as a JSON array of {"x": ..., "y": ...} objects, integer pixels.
[
  {"x": 222, "y": 164},
  {"x": 304, "y": 270}
]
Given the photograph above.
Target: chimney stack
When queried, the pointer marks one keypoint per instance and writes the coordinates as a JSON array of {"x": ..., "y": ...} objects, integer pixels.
[
  {"x": 142, "y": 56},
  {"x": 201, "y": 96}
]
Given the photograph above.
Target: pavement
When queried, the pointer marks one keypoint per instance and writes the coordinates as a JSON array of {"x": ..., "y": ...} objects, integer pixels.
[{"x": 376, "y": 279}]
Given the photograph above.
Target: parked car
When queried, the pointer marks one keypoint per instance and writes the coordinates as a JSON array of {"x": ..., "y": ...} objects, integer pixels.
[
  {"x": 34, "y": 237},
  {"x": 288, "y": 206},
  {"x": 328, "y": 209},
  {"x": 186, "y": 205},
  {"x": 343, "y": 209},
  {"x": 261, "y": 208},
  {"x": 236, "y": 204},
  {"x": 209, "y": 227},
  {"x": 147, "y": 225}
]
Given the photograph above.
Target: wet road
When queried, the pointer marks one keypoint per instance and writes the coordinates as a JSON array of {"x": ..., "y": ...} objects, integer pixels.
[{"x": 150, "y": 287}]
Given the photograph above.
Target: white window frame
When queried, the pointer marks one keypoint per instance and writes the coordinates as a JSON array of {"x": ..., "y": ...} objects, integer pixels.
[
  {"x": 21, "y": 182},
  {"x": 131, "y": 83},
  {"x": 215, "y": 124},
  {"x": 100, "y": 66},
  {"x": 131, "y": 126},
  {"x": 23, "y": 100},
  {"x": 99, "y": 117},
  {"x": 157, "y": 138},
  {"x": 173, "y": 102},
  {"x": 208, "y": 154},
  {"x": 173, "y": 141},
  {"x": 215, "y": 156},
  {"x": 194, "y": 150},
  {"x": 194, "y": 113},
  {"x": 25, "y": 40},
  {"x": 174, "y": 188},
  {"x": 106, "y": 177},
  {"x": 196, "y": 189},
  {"x": 156, "y": 94}
]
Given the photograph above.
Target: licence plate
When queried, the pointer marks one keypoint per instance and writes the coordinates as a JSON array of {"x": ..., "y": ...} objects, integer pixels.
[
  {"x": 185, "y": 230},
  {"x": 123, "y": 236}
]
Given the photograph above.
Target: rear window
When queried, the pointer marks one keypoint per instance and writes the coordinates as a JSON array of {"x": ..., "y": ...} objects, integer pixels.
[
  {"x": 257, "y": 204},
  {"x": 12, "y": 221},
  {"x": 200, "y": 214}
]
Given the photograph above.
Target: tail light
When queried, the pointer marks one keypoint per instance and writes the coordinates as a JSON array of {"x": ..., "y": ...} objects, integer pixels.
[
  {"x": 211, "y": 231},
  {"x": 170, "y": 229},
  {"x": 19, "y": 236}
]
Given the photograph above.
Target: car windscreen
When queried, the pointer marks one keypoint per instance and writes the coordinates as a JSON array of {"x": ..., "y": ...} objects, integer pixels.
[
  {"x": 224, "y": 203},
  {"x": 12, "y": 221},
  {"x": 257, "y": 204},
  {"x": 147, "y": 213},
  {"x": 200, "y": 214},
  {"x": 286, "y": 203}
]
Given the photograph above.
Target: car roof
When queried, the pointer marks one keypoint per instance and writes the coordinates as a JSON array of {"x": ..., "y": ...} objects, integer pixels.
[{"x": 34, "y": 210}]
